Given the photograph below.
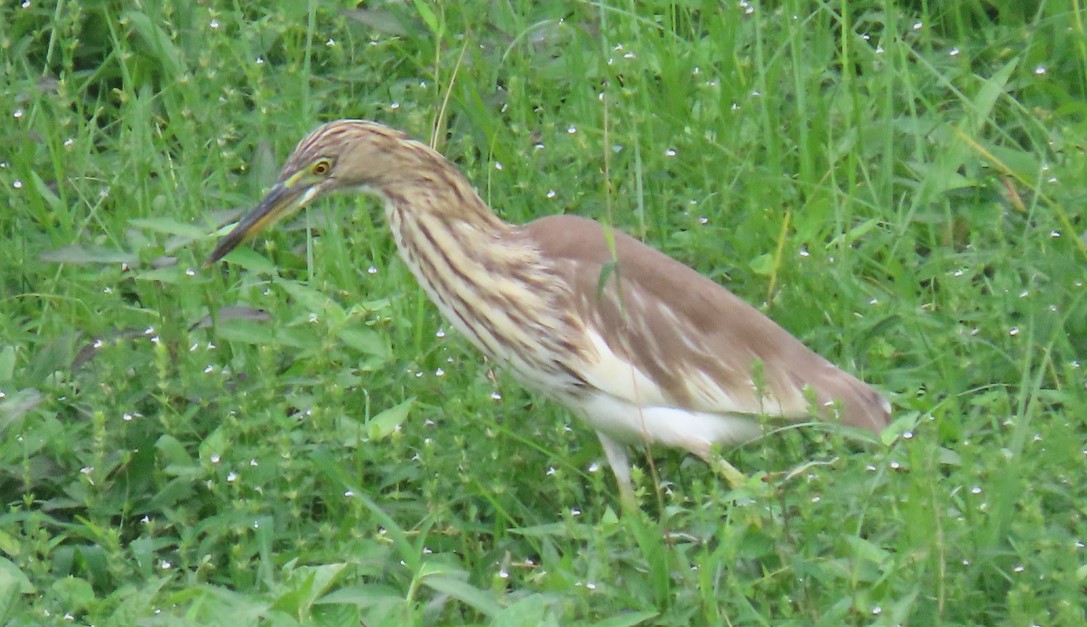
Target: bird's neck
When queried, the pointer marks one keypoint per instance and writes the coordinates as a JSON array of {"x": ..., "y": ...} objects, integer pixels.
[
  {"x": 491, "y": 283},
  {"x": 451, "y": 221},
  {"x": 454, "y": 245}
]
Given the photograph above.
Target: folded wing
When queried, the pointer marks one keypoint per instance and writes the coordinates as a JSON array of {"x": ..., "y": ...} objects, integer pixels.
[{"x": 665, "y": 336}]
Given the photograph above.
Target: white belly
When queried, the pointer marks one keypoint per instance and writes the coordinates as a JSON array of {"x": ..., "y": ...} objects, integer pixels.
[{"x": 696, "y": 432}]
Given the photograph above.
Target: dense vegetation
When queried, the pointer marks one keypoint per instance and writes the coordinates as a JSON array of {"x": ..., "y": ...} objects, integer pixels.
[{"x": 293, "y": 436}]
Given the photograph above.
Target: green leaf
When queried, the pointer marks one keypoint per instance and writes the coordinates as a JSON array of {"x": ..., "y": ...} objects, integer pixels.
[
  {"x": 530, "y": 611},
  {"x": 172, "y": 451},
  {"x": 364, "y": 340},
  {"x": 13, "y": 584},
  {"x": 56, "y": 355},
  {"x": 212, "y": 447},
  {"x": 258, "y": 333},
  {"x": 429, "y": 18},
  {"x": 304, "y": 586},
  {"x": 136, "y": 605},
  {"x": 382, "y": 425},
  {"x": 15, "y": 406},
  {"x": 1022, "y": 164},
  {"x": 943, "y": 175},
  {"x": 78, "y": 254},
  {"x": 171, "y": 275},
  {"x": 482, "y": 600},
  {"x": 158, "y": 43},
  {"x": 382, "y": 20},
  {"x": 10, "y": 544},
  {"x": 411, "y": 554},
  {"x": 866, "y": 550},
  {"x": 46, "y": 193},
  {"x": 628, "y": 619},
  {"x": 762, "y": 265},
  {"x": 73, "y": 594},
  {"x": 653, "y": 551},
  {"x": 12, "y": 577},
  {"x": 363, "y": 595},
  {"x": 855, "y": 233},
  {"x": 169, "y": 226},
  {"x": 249, "y": 259},
  {"x": 313, "y": 300},
  {"x": 7, "y": 364}
]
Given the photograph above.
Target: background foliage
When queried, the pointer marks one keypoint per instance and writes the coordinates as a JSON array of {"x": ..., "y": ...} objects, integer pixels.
[{"x": 293, "y": 436}]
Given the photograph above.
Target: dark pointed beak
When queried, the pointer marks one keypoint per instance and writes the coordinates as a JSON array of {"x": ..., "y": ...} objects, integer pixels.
[{"x": 282, "y": 200}]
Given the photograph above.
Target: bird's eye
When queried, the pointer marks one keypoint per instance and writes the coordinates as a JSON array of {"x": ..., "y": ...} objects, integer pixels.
[{"x": 321, "y": 168}]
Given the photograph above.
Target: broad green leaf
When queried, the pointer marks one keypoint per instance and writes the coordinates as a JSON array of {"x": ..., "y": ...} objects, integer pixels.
[
  {"x": 10, "y": 544},
  {"x": 172, "y": 450},
  {"x": 363, "y": 595},
  {"x": 381, "y": 20},
  {"x": 251, "y": 332},
  {"x": 482, "y": 600},
  {"x": 79, "y": 254},
  {"x": 170, "y": 276},
  {"x": 251, "y": 260},
  {"x": 16, "y": 405},
  {"x": 382, "y": 425},
  {"x": 13, "y": 585},
  {"x": 54, "y": 356},
  {"x": 169, "y": 226},
  {"x": 762, "y": 265},
  {"x": 528, "y": 612},
  {"x": 74, "y": 594},
  {"x": 213, "y": 446},
  {"x": 364, "y": 340},
  {"x": 313, "y": 300},
  {"x": 1022, "y": 164}
]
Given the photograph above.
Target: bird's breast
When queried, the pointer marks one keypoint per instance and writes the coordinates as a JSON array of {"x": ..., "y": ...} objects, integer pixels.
[{"x": 499, "y": 296}]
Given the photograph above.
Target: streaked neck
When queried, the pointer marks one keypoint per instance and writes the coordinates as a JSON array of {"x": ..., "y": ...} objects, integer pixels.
[{"x": 492, "y": 285}]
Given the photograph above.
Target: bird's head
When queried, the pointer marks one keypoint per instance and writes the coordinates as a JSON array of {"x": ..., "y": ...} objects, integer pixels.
[{"x": 341, "y": 155}]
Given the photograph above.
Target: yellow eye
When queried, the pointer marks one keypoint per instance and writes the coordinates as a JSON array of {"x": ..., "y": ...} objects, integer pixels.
[{"x": 321, "y": 168}]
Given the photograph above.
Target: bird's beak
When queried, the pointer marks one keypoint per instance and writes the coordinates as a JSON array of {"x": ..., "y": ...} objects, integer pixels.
[{"x": 282, "y": 200}]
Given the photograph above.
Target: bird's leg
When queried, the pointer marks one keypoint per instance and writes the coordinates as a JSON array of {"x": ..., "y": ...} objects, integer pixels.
[
  {"x": 727, "y": 471},
  {"x": 620, "y": 467}
]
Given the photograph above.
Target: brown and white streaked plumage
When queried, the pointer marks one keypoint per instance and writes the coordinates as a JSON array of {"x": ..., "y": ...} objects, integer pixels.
[{"x": 658, "y": 354}]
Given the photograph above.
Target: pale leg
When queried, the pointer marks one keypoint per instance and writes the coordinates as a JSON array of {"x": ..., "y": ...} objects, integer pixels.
[{"x": 620, "y": 466}]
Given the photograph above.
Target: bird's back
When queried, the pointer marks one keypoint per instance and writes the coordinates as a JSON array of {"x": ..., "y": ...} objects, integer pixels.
[{"x": 685, "y": 341}]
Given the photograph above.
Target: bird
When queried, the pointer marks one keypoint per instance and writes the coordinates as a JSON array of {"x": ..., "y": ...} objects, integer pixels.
[{"x": 642, "y": 348}]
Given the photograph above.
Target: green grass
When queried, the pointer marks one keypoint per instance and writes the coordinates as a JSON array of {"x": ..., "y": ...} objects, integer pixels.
[{"x": 899, "y": 184}]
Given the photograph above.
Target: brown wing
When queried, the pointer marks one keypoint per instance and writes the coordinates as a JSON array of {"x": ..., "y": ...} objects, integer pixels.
[{"x": 691, "y": 343}]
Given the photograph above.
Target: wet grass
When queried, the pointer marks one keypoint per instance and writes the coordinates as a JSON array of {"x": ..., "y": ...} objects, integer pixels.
[{"x": 899, "y": 184}]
